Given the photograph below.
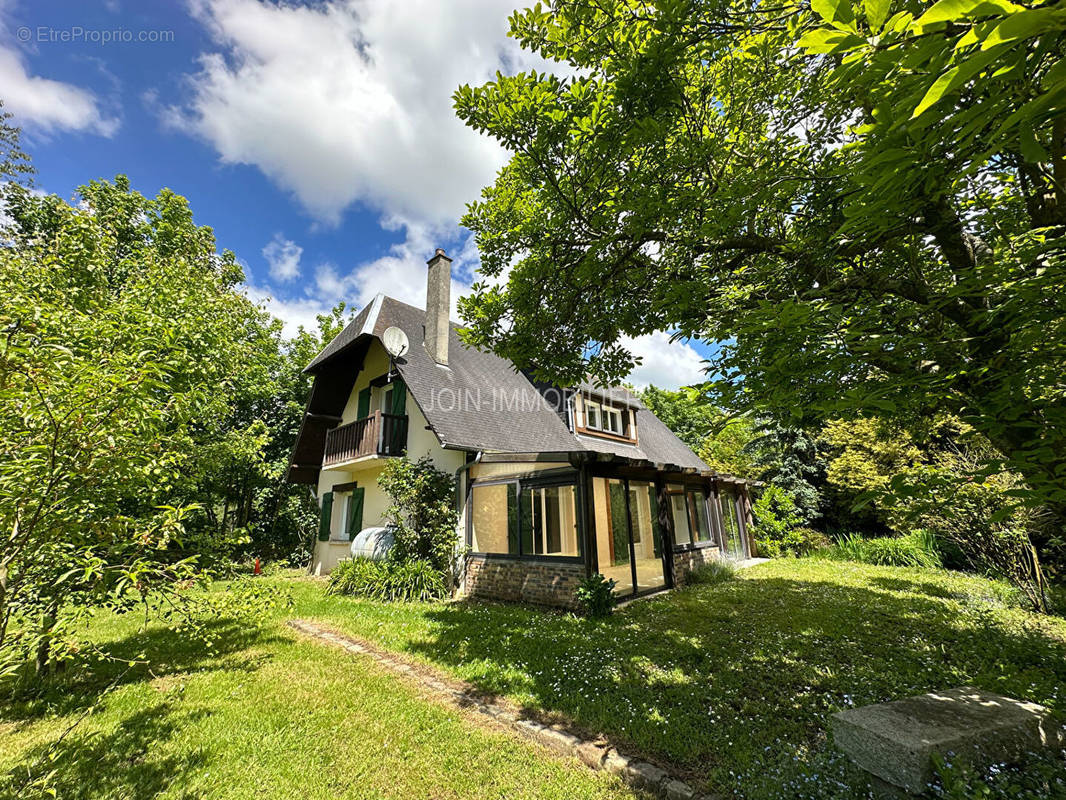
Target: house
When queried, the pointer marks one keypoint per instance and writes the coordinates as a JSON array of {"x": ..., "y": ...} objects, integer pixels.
[{"x": 553, "y": 484}]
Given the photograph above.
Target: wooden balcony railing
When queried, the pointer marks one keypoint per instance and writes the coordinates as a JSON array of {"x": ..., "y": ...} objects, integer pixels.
[{"x": 379, "y": 434}]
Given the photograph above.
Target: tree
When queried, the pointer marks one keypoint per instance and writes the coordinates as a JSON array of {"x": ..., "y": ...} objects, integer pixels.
[
  {"x": 128, "y": 358},
  {"x": 864, "y": 205},
  {"x": 715, "y": 436},
  {"x": 422, "y": 514},
  {"x": 791, "y": 459}
]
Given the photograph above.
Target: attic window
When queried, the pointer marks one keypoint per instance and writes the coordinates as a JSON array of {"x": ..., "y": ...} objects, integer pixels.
[{"x": 604, "y": 418}]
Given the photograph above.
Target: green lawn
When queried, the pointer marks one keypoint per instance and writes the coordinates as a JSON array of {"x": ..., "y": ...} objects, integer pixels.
[
  {"x": 270, "y": 716},
  {"x": 733, "y": 684},
  {"x": 730, "y": 684}
]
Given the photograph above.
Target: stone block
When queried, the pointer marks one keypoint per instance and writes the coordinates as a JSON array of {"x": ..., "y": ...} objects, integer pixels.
[
  {"x": 896, "y": 741},
  {"x": 615, "y": 763},
  {"x": 678, "y": 790},
  {"x": 644, "y": 775}
]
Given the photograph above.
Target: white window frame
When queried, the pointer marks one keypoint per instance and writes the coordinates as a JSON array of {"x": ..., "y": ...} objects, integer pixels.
[
  {"x": 615, "y": 416},
  {"x": 604, "y": 417},
  {"x": 592, "y": 408}
]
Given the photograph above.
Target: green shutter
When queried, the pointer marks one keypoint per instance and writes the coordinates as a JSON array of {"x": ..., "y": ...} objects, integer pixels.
[
  {"x": 399, "y": 398},
  {"x": 619, "y": 522},
  {"x": 324, "y": 519},
  {"x": 364, "y": 404},
  {"x": 398, "y": 429},
  {"x": 525, "y": 520},
  {"x": 355, "y": 512}
]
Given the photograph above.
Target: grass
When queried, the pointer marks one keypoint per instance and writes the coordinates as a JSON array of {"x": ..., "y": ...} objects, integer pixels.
[
  {"x": 730, "y": 682},
  {"x": 733, "y": 683},
  {"x": 270, "y": 715}
]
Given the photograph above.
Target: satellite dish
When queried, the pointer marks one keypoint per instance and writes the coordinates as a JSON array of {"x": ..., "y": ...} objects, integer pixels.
[{"x": 395, "y": 341}]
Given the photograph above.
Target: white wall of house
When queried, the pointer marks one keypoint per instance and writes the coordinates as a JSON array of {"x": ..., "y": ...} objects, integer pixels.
[{"x": 420, "y": 442}]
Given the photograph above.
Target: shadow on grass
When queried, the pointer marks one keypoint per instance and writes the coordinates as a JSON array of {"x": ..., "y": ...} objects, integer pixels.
[
  {"x": 167, "y": 651},
  {"x": 122, "y": 763},
  {"x": 723, "y": 680}
]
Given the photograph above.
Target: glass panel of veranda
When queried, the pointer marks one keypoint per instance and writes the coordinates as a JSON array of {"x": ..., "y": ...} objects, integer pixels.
[{"x": 627, "y": 535}]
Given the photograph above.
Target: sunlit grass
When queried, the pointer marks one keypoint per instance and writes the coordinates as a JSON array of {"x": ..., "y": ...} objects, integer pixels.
[
  {"x": 734, "y": 683},
  {"x": 270, "y": 715}
]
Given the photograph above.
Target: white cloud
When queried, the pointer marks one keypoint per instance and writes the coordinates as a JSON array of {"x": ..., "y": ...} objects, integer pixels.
[
  {"x": 293, "y": 313},
  {"x": 350, "y": 101},
  {"x": 283, "y": 257},
  {"x": 665, "y": 364},
  {"x": 401, "y": 273},
  {"x": 47, "y": 105}
]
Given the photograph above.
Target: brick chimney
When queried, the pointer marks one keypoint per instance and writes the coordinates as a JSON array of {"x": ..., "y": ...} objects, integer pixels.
[{"x": 438, "y": 305}]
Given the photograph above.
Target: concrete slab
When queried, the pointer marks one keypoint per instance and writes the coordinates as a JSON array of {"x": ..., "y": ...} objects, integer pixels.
[{"x": 896, "y": 741}]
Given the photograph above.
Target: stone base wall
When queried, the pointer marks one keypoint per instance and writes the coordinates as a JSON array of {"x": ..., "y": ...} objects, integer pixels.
[
  {"x": 523, "y": 581},
  {"x": 685, "y": 561}
]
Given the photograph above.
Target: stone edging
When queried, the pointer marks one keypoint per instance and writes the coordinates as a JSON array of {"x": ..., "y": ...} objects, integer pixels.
[{"x": 595, "y": 755}]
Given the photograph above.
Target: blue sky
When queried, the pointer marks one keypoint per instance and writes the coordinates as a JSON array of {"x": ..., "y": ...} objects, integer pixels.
[{"x": 316, "y": 139}]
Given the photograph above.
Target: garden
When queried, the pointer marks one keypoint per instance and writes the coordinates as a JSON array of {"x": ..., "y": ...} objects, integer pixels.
[{"x": 729, "y": 683}]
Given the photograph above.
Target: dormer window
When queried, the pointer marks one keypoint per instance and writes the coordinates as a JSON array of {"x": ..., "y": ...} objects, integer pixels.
[
  {"x": 596, "y": 417},
  {"x": 592, "y": 415}
]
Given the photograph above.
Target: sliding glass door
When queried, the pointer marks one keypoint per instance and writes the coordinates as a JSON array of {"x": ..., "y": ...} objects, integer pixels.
[{"x": 628, "y": 539}]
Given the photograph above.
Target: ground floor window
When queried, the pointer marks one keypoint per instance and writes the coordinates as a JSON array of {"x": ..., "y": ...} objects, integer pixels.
[
  {"x": 524, "y": 518},
  {"x": 688, "y": 509}
]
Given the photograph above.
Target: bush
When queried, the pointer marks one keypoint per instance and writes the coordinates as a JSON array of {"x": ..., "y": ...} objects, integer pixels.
[
  {"x": 389, "y": 581},
  {"x": 422, "y": 515},
  {"x": 776, "y": 518},
  {"x": 795, "y": 542},
  {"x": 595, "y": 595},
  {"x": 916, "y": 549},
  {"x": 713, "y": 572}
]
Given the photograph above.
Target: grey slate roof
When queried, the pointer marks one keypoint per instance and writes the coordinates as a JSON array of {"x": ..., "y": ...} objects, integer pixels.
[{"x": 481, "y": 402}]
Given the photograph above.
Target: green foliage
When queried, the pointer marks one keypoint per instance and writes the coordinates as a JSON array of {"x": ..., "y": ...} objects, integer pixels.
[
  {"x": 130, "y": 368},
  {"x": 917, "y": 549},
  {"x": 806, "y": 638},
  {"x": 712, "y": 573},
  {"x": 389, "y": 581},
  {"x": 422, "y": 514},
  {"x": 855, "y": 205},
  {"x": 775, "y": 520},
  {"x": 980, "y": 519},
  {"x": 791, "y": 459},
  {"x": 595, "y": 595},
  {"x": 718, "y": 438}
]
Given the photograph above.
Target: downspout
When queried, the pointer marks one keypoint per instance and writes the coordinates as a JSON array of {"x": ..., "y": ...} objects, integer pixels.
[{"x": 465, "y": 468}]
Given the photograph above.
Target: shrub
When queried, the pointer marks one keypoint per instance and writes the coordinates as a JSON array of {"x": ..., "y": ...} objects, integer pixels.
[
  {"x": 916, "y": 549},
  {"x": 713, "y": 572},
  {"x": 795, "y": 542},
  {"x": 595, "y": 595},
  {"x": 422, "y": 515},
  {"x": 389, "y": 581},
  {"x": 776, "y": 518}
]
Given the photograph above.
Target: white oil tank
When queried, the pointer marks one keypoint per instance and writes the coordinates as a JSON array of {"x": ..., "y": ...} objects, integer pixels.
[{"x": 373, "y": 543}]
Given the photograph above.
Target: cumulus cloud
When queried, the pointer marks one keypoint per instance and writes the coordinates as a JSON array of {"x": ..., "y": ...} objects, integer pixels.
[
  {"x": 293, "y": 313},
  {"x": 46, "y": 105},
  {"x": 283, "y": 258},
  {"x": 400, "y": 273},
  {"x": 349, "y": 101},
  {"x": 666, "y": 364}
]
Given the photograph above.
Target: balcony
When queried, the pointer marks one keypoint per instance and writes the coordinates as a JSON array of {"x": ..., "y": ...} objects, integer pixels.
[{"x": 377, "y": 435}]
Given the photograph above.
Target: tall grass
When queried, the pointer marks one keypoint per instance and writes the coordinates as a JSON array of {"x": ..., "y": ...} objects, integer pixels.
[
  {"x": 387, "y": 580},
  {"x": 717, "y": 571},
  {"x": 916, "y": 549}
]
